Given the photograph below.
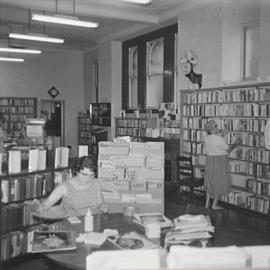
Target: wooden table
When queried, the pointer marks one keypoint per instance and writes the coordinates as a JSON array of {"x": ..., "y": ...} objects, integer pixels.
[{"x": 76, "y": 259}]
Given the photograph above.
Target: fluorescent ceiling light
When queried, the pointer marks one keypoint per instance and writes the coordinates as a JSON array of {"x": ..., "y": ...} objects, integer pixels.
[
  {"x": 63, "y": 19},
  {"x": 36, "y": 37},
  {"x": 9, "y": 59},
  {"x": 144, "y": 2},
  {"x": 16, "y": 50}
]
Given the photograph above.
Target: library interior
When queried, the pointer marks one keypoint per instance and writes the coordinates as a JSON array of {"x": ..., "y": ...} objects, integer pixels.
[{"x": 134, "y": 134}]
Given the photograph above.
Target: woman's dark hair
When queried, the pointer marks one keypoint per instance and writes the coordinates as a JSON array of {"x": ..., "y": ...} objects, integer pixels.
[{"x": 87, "y": 162}]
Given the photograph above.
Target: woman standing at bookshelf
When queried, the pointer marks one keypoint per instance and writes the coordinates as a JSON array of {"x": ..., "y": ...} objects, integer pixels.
[
  {"x": 217, "y": 179},
  {"x": 78, "y": 194}
]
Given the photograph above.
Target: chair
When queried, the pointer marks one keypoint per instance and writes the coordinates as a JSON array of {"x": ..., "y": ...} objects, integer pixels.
[{"x": 185, "y": 176}]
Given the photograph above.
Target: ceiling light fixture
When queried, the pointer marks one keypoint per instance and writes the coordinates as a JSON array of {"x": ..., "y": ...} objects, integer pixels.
[
  {"x": 63, "y": 19},
  {"x": 36, "y": 37},
  {"x": 9, "y": 59},
  {"x": 143, "y": 2},
  {"x": 17, "y": 50}
]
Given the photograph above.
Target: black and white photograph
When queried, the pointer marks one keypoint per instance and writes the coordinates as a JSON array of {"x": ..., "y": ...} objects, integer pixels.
[{"x": 170, "y": 100}]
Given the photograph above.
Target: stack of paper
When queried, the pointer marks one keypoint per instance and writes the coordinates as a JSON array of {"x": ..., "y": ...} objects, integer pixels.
[
  {"x": 188, "y": 228},
  {"x": 185, "y": 257}
]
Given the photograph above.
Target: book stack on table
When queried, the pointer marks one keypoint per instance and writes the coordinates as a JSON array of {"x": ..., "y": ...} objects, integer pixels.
[{"x": 190, "y": 229}]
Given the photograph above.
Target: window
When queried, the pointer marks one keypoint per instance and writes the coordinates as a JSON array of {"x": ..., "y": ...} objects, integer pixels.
[
  {"x": 251, "y": 51},
  {"x": 148, "y": 69},
  {"x": 133, "y": 77},
  {"x": 155, "y": 67}
]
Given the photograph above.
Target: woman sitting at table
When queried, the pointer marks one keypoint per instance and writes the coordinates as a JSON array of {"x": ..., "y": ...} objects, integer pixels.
[{"x": 77, "y": 194}]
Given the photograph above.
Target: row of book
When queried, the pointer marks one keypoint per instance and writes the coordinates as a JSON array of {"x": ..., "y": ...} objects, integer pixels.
[
  {"x": 13, "y": 244},
  {"x": 5, "y": 101},
  {"x": 15, "y": 111},
  {"x": 131, "y": 131},
  {"x": 254, "y": 203},
  {"x": 234, "y": 95},
  {"x": 132, "y": 122},
  {"x": 249, "y": 125},
  {"x": 15, "y": 216},
  {"x": 32, "y": 186},
  {"x": 235, "y": 110},
  {"x": 258, "y": 187},
  {"x": 255, "y": 155}
]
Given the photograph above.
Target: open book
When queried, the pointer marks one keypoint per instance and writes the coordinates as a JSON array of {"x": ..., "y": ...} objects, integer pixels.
[
  {"x": 147, "y": 218},
  {"x": 47, "y": 241},
  {"x": 132, "y": 240}
]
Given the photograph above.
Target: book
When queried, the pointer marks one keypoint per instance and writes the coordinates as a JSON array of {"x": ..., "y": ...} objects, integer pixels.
[
  {"x": 132, "y": 240},
  {"x": 147, "y": 218},
  {"x": 33, "y": 160},
  {"x": 61, "y": 157},
  {"x": 14, "y": 161},
  {"x": 48, "y": 241},
  {"x": 83, "y": 150}
]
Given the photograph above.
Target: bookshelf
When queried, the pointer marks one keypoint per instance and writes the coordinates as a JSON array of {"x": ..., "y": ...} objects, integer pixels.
[
  {"x": 17, "y": 192},
  {"x": 240, "y": 111},
  {"x": 16, "y": 110},
  {"x": 90, "y": 134}
]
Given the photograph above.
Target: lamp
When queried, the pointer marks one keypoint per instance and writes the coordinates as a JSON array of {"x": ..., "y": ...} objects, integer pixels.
[
  {"x": 64, "y": 19},
  {"x": 17, "y": 50},
  {"x": 143, "y": 2},
  {"x": 36, "y": 37},
  {"x": 10, "y": 59}
]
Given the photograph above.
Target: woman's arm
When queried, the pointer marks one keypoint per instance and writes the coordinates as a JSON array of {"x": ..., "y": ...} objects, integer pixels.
[{"x": 57, "y": 194}]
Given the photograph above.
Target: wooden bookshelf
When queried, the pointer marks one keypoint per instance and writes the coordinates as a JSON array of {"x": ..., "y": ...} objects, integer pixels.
[
  {"x": 16, "y": 110},
  {"x": 241, "y": 112},
  {"x": 90, "y": 134},
  {"x": 17, "y": 192}
]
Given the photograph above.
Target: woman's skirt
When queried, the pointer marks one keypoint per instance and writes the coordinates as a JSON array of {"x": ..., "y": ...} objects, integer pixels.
[{"x": 217, "y": 178}]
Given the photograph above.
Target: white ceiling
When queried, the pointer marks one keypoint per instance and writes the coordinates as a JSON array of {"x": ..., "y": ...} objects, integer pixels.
[{"x": 118, "y": 20}]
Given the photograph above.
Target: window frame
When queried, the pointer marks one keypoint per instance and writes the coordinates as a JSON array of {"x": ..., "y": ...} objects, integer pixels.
[{"x": 168, "y": 33}]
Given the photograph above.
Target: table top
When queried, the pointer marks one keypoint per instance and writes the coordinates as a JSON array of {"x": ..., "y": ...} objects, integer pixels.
[{"x": 76, "y": 259}]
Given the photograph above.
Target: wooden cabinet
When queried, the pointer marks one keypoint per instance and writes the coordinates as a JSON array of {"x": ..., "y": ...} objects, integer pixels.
[
  {"x": 241, "y": 112},
  {"x": 16, "y": 110}
]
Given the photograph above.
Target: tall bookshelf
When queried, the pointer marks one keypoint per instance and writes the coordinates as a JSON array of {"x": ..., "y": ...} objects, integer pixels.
[
  {"x": 16, "y": 110},
  {"x": 240, "y": 111},
  {"x": 90, "y": 134},
  {"x": 17, "y": 192}
]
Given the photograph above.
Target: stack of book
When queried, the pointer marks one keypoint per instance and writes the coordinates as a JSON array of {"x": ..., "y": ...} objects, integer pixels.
[{"x": 190, "y": 228}]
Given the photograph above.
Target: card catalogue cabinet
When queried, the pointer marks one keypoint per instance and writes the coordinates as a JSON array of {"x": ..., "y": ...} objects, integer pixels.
[{"x": 241, "y": 112}]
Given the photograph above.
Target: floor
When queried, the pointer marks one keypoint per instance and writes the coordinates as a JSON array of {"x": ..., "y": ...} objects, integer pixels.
[{"x": 232, "y": 227}]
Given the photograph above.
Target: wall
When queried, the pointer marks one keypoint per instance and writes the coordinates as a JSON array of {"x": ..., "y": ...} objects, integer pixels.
[
  {"x": 264, "y": 67},
  {"x": 38, "y": 74},
  {"x": 199, "y": 29},
  {"x": 90, "y": 58}
]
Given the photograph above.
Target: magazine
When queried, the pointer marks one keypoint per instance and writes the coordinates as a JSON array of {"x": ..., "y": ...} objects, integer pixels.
[
  {"x": 147, "y": 218},
  {"x": 132, "y": 240},
  {"x": 48, "y": 241}
]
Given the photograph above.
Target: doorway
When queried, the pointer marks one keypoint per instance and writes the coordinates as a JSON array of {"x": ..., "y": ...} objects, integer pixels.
[{"x": 54, "y": 113}]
